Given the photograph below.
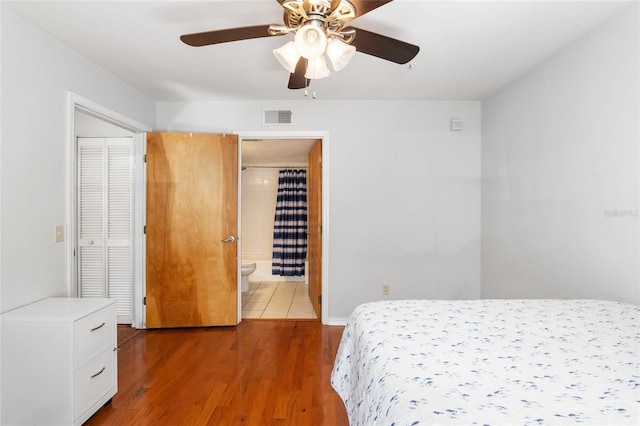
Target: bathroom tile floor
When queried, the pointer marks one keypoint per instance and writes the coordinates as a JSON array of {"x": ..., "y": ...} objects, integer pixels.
[{"x": 277, "y": 300}]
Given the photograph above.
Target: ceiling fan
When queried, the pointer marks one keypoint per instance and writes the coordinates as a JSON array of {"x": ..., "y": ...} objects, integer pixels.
[{"x": 319, "y": 28}]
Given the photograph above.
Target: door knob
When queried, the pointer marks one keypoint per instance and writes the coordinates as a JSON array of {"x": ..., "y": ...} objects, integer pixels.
[{"x": 229, "y": 239}]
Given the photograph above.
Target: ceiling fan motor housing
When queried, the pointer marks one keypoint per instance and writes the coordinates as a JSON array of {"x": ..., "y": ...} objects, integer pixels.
[{"x": 319, "y": 13}]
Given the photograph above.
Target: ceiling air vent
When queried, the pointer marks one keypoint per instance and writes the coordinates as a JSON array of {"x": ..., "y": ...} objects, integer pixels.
[{"x": 278, "y": 116}]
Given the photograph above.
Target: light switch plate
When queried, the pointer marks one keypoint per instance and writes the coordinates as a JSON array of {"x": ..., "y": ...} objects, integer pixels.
[{"x": 59, "y": 233}]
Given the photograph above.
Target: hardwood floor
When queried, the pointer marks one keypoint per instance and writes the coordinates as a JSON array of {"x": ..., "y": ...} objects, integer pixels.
[
  {"x": 126, "y": 333},
  {"x": 262, "y": 372}
]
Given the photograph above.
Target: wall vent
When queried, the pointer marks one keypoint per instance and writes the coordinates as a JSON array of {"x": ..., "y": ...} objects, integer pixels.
[
  {"x": 455, "y": 125},
  {"x": 277, "y": 116}
]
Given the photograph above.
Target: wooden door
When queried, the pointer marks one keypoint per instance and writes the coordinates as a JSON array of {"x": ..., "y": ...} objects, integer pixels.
[
  {"x": 314, "y": 208},
  {"x": 192, "y": 202}
]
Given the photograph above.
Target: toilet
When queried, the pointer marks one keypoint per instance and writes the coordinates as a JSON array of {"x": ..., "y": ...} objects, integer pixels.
[{"x": 247, "y": 269}]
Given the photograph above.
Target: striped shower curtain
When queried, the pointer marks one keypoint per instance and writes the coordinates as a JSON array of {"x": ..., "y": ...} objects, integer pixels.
[{"x": 290, "y": 228}]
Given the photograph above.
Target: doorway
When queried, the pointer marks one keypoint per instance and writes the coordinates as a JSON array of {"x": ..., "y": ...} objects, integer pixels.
[
  {"x": 87, "y": 118},
  {"x": 262, "y": 156}
]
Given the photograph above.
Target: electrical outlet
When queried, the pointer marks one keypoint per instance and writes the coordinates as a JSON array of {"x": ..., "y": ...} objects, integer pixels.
[
  {"x": 59, "y": 233},
  {"x": 385, "y": 289}
]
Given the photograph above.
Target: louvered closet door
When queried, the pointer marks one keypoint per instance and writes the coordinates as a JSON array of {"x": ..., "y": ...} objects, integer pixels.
[{"x": 105, "y": 259}]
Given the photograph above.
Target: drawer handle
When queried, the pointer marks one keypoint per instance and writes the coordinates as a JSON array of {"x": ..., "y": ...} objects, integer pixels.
[
  {"x": 98, "y": 327},
  {"x": 98, "y": 373}
]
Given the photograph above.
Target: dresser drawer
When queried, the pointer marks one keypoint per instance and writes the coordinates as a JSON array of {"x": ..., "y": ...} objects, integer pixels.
[
  {"x": 94, "y": 381},
  {"x": 94, "y": 334}
]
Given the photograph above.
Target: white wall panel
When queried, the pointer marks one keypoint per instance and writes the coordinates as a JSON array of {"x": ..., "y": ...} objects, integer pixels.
[
  {"x": 37, "y": 72},
  {"x": 560, "y": 173},
  {"x": 259, "y": 193}
]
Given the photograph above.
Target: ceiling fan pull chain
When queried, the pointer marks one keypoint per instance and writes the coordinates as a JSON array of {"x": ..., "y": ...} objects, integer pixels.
[{"x": 306, "y": 93}]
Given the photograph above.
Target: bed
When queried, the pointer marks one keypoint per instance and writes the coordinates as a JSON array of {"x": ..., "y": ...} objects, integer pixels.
[{"x": 498, "y": 362}]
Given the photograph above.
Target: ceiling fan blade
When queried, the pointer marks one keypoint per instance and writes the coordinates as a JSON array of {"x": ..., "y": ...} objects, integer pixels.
[
  {"x": 297, "y": 79},
  {"x": 365, "y": 6},
  {"x": 223, "y": 36},
  {"x": 383, "y": 47}
]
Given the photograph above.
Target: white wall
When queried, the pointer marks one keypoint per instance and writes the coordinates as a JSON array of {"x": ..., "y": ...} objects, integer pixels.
[
  {"x": 37, "y": 72},
  {"x": 259, "y": 192},
  {"x": 404, "y": 191},
  {"x": 90, "y": 127},
  {"x": 560, "y": 173}
]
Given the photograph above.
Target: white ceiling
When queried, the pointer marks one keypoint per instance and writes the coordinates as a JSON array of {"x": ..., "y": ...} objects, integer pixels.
[
  {"x": 468, "y": 48},
  {"x": 276, "y": 152}
]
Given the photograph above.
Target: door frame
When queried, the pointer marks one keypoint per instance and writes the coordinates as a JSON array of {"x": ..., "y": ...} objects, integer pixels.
[
  {"x": 323, "y": 135},
  {"x": 78, "y": 103}
]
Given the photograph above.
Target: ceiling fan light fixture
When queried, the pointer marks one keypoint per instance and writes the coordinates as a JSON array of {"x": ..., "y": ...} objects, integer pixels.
[
  {"x": 339, "y": 53},
  {"x": 288, "y": 56},
  {"x": 310, "y": 40},
  {"x": 317, "y": 68},
  {"x": 318, "y": 27}
]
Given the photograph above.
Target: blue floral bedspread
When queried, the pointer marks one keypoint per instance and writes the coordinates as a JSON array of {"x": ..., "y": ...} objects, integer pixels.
[{"x": 490, "y": 362}]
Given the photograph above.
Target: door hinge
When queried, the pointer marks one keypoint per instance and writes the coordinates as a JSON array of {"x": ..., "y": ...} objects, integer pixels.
[
  {"x": 144, "y": 229},
  {"x": 320, "y": 159},
  {"x": 144, "y": 301},
  {"x": 319, "y": 299},
  {"x": 145, "y": 158},
  {"x": 319, "y": 229}
]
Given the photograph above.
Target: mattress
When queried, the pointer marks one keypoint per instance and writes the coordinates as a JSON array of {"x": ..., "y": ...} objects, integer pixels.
[{"x": 498, "y": 362}]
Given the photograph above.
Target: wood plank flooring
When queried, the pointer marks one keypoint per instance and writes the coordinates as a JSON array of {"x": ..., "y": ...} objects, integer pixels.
[
  {"x": 126, "y": 333},
  {"x": 261, "y": 372}
]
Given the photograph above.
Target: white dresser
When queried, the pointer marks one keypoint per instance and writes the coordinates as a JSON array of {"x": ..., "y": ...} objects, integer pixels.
[{"x": 59, "y": 361}]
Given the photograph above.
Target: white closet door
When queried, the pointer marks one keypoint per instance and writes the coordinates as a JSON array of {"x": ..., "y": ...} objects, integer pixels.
[
  {"x": 91, "y": 217},
  {"x": 105, "y": 265}
]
